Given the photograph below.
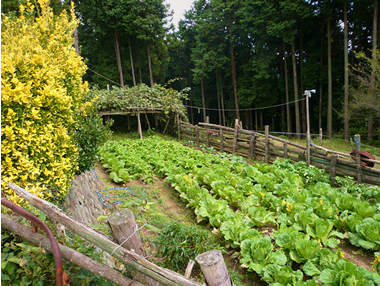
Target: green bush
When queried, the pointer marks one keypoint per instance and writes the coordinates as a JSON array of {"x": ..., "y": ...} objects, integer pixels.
[
  {"x": 89, "y": 135},
  {"x": 178, "y": 243}
]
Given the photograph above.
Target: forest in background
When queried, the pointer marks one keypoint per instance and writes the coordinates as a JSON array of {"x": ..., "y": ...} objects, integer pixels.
[{"x": 239, "y": 55}]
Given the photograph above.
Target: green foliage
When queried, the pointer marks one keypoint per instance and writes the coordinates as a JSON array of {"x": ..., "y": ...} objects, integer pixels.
[
  {"x": 89, "y": 135},
  {"x": 141, "y": 96},
  {"x": 178, "y": 243},
  {"x": 25, "y": 264}
]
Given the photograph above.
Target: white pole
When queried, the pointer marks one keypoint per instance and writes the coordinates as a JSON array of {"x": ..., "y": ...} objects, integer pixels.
[{"x": 308, "y": 138}]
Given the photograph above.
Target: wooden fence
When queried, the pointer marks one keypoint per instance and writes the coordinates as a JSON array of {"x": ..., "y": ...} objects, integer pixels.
[{"x": 265, "y": 147}]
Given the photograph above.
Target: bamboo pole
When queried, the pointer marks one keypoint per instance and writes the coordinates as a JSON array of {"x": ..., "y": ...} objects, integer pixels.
[
  {"x": 69, "y": 254},
  {"x": 132, "y": 260}
]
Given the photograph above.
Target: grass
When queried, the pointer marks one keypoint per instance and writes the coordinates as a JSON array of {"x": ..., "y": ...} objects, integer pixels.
[{"x": 336, "y": 144}]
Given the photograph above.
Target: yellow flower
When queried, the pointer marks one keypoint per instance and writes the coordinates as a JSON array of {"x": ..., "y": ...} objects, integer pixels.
[
  {"x": 283, "y": 203},
  {"x": 341, "y": 253},
  {"x": 289, "y": 207}
]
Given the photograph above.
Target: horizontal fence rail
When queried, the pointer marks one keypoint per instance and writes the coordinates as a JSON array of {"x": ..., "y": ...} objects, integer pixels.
[{"x": 266, "y": 147}]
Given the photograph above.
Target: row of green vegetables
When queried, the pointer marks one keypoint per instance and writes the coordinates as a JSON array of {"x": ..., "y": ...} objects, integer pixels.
[{"x": 296, "y": 204}]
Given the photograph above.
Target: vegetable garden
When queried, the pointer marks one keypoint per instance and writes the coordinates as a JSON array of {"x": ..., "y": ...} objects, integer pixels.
[{"x": 284, "y": 221}]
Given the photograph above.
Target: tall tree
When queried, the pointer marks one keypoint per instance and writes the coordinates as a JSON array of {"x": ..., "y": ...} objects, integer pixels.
[
  {"x": 118, "y": 58},
  {"x": 288, "y": 117},
  {"x": 373, "y": 75},
  {"x": 346, "y": 114},
  {"x": 329, "y": 106}
]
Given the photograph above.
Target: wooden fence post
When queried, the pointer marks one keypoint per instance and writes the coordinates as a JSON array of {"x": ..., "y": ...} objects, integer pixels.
[
  {"x": 333, "y": 160},
  {"x": 197, "y": 134},
  {"x": 214, "y": 269},
  {"x": 207, "y": 119},
  {"x": 139, "y": 125},
  {"x": 125, "y": 231},
  {"x": 179, "y": 127},
  {"x": 235, "y": 135},
  {"x": 252, "y": 145},
  {"x": 286, "y": 150},
  {"x": 357, "y": 156},
  {"x": 320, "y": 135},
  {"x": 221, "y": 139},
  {"x": 267, "y": 143}
]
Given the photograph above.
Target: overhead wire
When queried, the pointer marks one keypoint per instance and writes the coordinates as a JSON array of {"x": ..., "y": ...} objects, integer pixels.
[{"x": 244, "y": 109}]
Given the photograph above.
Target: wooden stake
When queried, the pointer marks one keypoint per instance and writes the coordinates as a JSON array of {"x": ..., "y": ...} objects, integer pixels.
[
  {"x": 235, "y": 135},
  {"x": 286, "y": 149},
  {"x": 320, "y": 135},
  {"x": 267, "y": 143},
  {"x": 139, "y": 125},
  {"x": 333, "y": 160},
  {"x": 221, "y": 139},
  {"x": 189, "y": 268},
  {"x": 252, "y": 145},
  {"x": 357, "y": 155},
  {"x": 69, "y": 254},
  {"x": 207, "y": 119},
  {"x": 179, "y": 126},
  {"x": 197, "y": 134},
  {"x": 214, "y": 269},
  {"x": 147, "y": 120}
]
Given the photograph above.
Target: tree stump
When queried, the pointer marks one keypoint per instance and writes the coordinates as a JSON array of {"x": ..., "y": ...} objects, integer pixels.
[
  {"x": 214, "y": 269},
  {"x": 125, "y": 230}
]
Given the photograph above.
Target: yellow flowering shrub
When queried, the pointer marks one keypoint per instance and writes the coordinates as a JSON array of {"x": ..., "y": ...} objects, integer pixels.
[{"x": 41, "y": 94}]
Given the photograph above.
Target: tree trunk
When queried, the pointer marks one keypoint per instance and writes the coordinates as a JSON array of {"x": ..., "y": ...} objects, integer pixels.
[
  {"x": 76, "y": 42},
  {"x": 150, "y": 65},
  {"x": 373, "y": 75},
  {"x": 218, "y": 98},
  {"x": 288, "y": 117},
  {"x": 303, "y": 103},
  {"x": 203, "y": 101},
  {"x": 320, "y": 86},
  {"x": 118, "y": 59},
  {"x": 329, "y": 104},
  {"x": 256, "y": 121},
  {"x": 261, "y": 121},
  {"x": 298, "y": 127},
  {"x": 233, "y": 72},
  {"x": 346, "y": 115},
  {"x": 221, "y": 96},
  {"x": 140, "y": 75},
  {"x": 131, "y": 59}
]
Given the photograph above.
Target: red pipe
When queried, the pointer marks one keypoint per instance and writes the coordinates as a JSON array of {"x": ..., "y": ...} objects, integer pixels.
[{"x": 61, "y": 277}]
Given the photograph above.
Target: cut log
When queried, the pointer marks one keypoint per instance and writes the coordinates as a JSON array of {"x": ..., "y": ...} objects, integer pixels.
[
  {"x": 214, "y": 269},
  {"x": 125, "y": 230}
]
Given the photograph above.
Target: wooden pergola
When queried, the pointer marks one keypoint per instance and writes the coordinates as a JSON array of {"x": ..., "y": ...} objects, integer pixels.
[{"x": 137, "y": 111}]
